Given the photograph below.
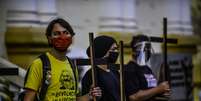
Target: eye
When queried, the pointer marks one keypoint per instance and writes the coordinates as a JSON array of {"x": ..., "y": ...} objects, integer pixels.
[
  {"x": 114, "y": 49},
  {"x": 66, "y": 32},
  {"x": 56, "y": 33}
]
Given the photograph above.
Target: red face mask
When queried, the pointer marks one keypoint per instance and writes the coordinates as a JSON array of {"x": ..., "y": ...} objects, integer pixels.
[{"x": 61, "y": 43}]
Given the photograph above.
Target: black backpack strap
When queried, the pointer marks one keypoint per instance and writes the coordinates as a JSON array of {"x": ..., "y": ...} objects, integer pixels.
[
  {"x": 26, "y": 76},
  {"x": 46, "y": 69},
  {"x": 74, "y": 68}
]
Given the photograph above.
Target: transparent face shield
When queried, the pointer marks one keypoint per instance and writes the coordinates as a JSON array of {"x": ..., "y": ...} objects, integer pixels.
[{"x": 143, "y": 53}]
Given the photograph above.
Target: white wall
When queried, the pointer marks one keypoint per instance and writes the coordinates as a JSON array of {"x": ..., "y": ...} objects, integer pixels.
[
  {"x": 150, "y": 13},
  {"x": 150, "y": 16},
  {"x": 84, "y": 15}
]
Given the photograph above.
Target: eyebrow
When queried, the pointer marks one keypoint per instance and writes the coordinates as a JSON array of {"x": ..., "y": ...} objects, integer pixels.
[{"x": 61, "y": 31}]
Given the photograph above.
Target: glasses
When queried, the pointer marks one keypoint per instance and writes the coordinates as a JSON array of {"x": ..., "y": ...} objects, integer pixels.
[{"x": 58, "y": 33}]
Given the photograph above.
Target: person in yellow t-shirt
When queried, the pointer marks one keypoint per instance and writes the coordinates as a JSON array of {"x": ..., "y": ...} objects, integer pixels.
[{"x": 62, "y": 85}]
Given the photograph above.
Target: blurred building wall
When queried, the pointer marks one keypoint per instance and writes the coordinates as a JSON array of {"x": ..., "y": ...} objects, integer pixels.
[
  {"x": 26, "y": 21},
  {"x": 2, "y": 30},
  {"x": 118, "y": 18},
  {"x": 126, "y": 16}
]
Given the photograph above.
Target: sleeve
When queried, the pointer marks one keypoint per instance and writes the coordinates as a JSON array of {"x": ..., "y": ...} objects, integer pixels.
[
  {"x": 86, "y": 82},
  {"x": 132, "y": 84},
  {"x": 34, "y": 76}
]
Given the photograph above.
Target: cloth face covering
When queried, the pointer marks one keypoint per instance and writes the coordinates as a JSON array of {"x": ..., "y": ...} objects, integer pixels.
[
  {"x": 112, "y": 58},
  {"x": 62, "y": 42}
]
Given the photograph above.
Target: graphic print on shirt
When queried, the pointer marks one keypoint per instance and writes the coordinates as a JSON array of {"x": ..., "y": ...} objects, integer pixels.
[
  {"x": 151, "y": 80},
  {"x": 66, "y": 88},
  {"x": 66, "y": 80}
]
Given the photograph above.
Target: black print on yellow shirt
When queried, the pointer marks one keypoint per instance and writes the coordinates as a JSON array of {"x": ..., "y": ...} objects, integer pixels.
[
  {"x": 66, "y": 80},
  {"x": 65, "y": 93}
]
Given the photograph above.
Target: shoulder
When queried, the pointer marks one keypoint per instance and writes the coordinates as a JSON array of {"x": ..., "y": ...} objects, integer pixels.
[
  {"x": 115, "y": 71},
  {"x": 147, "y": 69},
  {"x": 36, "y": 63},
  {"x": 132, "y": 63},
  {"x": 87, "y": 74},
  {"x": 35, "y": 67},
  {"x": 131, "y": 66},
  {"x": 71, "y": 62}
]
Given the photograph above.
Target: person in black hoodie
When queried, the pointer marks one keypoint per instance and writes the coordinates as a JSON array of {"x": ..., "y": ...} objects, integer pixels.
[
  {"x": 140, "y": 83},
  {"x": 107, "y": 78}
]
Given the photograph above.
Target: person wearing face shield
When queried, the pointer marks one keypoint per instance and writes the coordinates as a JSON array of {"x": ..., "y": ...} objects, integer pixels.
[
  {"x": 62, "y": 78},
  {"x": 105, "y": 47},
  {"x": 140, "y": 83}
]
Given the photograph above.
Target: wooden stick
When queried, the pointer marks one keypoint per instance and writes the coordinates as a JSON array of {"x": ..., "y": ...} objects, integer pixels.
[
  {"x": 122, "y": 95},
  {"x": 92, "y": 57}
]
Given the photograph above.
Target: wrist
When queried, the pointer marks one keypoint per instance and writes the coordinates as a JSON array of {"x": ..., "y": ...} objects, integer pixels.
[
  {"x": 90, "y": 96},
  {"x": 158, "y": 90}
]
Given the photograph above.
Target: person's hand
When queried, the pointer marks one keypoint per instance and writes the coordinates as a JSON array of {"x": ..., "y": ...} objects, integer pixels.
[
  {"x": 95, "y": 92},
  {"x": 164, "y": 87},
  {"x": 167, "y": 94}
]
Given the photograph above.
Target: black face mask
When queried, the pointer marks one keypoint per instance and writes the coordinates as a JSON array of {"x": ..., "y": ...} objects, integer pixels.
[{"x": 113, "y": 56}]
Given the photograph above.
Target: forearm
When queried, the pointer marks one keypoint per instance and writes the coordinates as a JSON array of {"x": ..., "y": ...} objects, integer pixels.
[
  {"x": 83, "y": 98},
  {"x": 29, "y": 96},
  {"x": 144, "y": 94}
]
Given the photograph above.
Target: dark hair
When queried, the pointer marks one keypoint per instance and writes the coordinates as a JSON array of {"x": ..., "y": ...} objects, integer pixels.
[
  {"x": 101, "y": 45},
  {"x": 138, "y": 38},
  {"x": 62, "y": 22}
]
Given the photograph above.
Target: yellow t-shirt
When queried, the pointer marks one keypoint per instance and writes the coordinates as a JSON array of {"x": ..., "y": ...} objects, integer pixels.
[{"x": 62, "y": 84}]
